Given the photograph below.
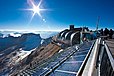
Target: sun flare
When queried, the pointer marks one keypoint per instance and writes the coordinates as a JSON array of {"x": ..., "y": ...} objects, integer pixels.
[{"x": 36, "y": 8}]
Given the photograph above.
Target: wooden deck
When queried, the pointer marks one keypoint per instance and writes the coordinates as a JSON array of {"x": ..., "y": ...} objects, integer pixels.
[{"x": 110, "y": 43}]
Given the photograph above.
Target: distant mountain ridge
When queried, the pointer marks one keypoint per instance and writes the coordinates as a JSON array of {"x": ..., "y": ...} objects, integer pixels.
[
  {"x": 26, "y": 41},
  {"x": 31, "y": 41},
  {"x": 43, "y": 34}
]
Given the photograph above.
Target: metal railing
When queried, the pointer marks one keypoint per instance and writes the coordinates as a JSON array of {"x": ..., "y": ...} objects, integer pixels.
[
  {"x": 90, "y": 65},
  {"x": 100, "y": 61},
  {"x": 79, "y": 73},
  {"x": 107, "y": 63}
]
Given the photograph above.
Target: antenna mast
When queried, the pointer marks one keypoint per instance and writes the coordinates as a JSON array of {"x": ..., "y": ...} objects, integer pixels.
[{"x": 97, "y": 23}]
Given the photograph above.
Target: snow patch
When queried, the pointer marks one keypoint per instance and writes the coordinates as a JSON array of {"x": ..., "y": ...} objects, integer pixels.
[
  {"x": 42, "y": 41},
  {"x": 60, "y": 50},
  {"x": 15, "y": 35}
]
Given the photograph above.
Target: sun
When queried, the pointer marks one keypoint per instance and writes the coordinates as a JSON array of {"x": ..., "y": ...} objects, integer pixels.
[{"x": 36, "y": 8}]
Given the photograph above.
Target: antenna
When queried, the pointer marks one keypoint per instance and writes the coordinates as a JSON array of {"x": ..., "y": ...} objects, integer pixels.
[{"x": 97, "y": 23}]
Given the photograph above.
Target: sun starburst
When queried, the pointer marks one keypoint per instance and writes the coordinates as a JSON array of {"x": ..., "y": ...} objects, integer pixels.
[{"x": 36, "y": 9}]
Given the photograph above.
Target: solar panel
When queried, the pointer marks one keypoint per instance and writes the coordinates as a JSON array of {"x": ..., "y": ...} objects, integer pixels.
[{"x": 68, "y": 67}]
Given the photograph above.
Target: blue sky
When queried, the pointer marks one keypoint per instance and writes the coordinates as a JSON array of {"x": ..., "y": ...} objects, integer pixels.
[{"x": 60, "y": 15}]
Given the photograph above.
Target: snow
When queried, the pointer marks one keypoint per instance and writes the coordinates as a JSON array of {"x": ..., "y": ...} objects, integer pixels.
[
  {"x": 15, "y": 35},
  {"x": 60, "y": 50},
  {"x": 19, "y": 56}
]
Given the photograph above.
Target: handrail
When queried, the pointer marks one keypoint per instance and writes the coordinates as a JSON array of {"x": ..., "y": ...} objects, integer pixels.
[
  {"x": 79, "y": 73},
  {"x": 106, "y": 61},
  {"x": 110, "y": 56},
  {"x": 90, "y": 66}
]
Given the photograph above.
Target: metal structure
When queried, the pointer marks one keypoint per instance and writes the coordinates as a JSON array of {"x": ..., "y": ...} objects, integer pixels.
[{"x": 100, "y": 61}]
